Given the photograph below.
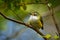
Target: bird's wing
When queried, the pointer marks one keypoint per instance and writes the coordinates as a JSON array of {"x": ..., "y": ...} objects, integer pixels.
[{"x": 41, "y": 22}]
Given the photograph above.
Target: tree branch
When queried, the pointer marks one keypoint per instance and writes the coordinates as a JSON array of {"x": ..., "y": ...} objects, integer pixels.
[
  {"x": 32, "y": 3},
  {"x": 52, "y": 14},
  {"x": 19, "y": 22}
]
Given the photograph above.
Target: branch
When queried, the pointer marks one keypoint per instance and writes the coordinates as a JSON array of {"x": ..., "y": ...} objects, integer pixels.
[
  {"x": 52, "y": 14},
  {"x": 19, "y": 22},
  {"x": 31, "y": 3}
]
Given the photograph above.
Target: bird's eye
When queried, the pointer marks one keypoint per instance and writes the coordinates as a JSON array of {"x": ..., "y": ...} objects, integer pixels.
[{"x": 35, "y": 14}]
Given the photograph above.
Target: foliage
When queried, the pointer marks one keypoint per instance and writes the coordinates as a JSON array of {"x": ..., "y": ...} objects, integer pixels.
[
  {"x": 18, "y": 9},
  {"x": 16, "y": 4}
]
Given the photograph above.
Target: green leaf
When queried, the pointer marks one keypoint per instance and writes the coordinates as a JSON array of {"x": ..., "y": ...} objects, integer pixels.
[{"x": 24, "y": 7}]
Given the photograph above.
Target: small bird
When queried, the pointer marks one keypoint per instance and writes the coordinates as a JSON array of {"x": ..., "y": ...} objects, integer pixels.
[{"x": 36, "y": 20}]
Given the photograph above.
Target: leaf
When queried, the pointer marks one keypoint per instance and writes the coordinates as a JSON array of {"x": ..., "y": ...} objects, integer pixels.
[{"x": 24, "y": 7}]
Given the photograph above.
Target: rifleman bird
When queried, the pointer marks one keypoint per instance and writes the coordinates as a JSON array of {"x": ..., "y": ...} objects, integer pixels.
[{"x": 36, "y": 20}]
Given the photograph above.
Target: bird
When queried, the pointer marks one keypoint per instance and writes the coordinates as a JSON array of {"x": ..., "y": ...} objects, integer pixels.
[{"x": 35, "y": 20}]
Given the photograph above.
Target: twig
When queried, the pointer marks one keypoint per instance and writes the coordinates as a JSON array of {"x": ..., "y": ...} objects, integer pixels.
[
  {"x": 19, "y": 22},
  {"x": 52, "y": 14}
]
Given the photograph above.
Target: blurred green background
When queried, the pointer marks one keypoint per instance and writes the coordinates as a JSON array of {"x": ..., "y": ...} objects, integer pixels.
[{"x": 13, "y": 9}]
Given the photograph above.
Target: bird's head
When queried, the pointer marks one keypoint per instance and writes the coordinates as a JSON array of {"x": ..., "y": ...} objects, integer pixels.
[{"x": 35, "y": 14}]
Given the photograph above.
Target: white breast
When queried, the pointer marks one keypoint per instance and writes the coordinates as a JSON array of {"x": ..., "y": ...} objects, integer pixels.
[{"x": 33, "y": 18}]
